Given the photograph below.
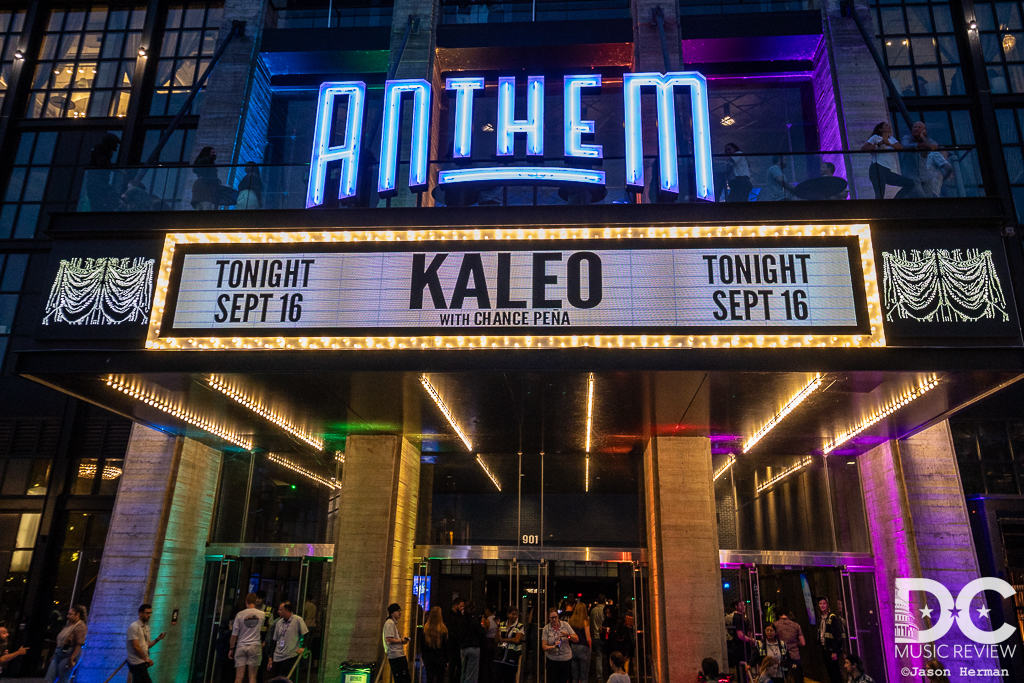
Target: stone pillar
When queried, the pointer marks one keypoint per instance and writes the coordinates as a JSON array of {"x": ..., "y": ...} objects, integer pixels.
[
  {"x": 648, "y": 56},
  {"x": 919, "y": 527},
  {"x": 682, "y": 538},
  {"x": 855, "y": 86},
  {"x": 154, "y": 553},
  {"x": 682, "y": 532},
  {"x": 417, "y": 61},
  {"x": 373, "y": 559},
  {"x": 236, "y": 100}
]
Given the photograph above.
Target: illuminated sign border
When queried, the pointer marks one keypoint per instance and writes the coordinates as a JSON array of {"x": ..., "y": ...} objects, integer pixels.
[{"x": 439, "y": 239}]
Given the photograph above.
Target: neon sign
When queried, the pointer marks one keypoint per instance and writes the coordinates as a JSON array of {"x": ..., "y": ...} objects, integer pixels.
[{"x": 508, "y": 127}]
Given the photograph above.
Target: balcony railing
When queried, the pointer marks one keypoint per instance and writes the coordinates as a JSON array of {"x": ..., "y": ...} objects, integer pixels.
[
  {"x": 744, "y": 6},
  {"x": 327, "y": 14},
  {"x": 951, "y": 172},
  {"x": 478, "y": 12}
]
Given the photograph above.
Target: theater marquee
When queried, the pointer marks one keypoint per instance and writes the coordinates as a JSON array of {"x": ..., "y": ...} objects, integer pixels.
[{"x": 677, "y": 287}]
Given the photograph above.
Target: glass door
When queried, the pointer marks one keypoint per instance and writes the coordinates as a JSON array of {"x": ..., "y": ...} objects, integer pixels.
[{"x": 303, "y": 581}]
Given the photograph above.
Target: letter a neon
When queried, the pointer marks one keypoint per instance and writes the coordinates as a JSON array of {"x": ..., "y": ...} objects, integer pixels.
[{"x": 347, "y": 152}]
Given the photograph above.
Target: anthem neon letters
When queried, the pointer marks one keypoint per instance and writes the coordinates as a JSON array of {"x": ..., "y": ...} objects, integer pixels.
[{"x": 507, "y": 127}]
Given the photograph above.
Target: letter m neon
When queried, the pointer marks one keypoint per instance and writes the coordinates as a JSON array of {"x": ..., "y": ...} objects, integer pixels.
[
  {"x": 347, "y": 152},
  {"x": 665, "y": 85}
]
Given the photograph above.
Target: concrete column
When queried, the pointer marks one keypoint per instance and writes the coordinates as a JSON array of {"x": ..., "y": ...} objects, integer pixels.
[
  {"x": 682, "y": 538},
  {"x": 855, "y": 87},
  {"x": 236, "y": 100},
  {"x": 154, "y": 553},
  {"x": 919, "y": 527},
  {"x": 417, "y": 61},
  {"x": 648, "y": 56},
  {"x": 373, "y": 548}
]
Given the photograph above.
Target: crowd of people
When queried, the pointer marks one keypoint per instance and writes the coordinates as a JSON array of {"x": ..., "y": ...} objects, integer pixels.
[
  {"x": 465, "y": 645},
  {"x": 914, "y": 164},
  {"x": 776, "y": 657},
  {"x": 208, "y": 192}
]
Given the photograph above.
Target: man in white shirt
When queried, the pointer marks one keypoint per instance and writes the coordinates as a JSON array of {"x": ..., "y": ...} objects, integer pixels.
[
  {"x": 288, "y": 633},
  {"x": 246, "y": 649},
  {"x": 139, "y": 643},
  {"x": 394, "y": 645}
]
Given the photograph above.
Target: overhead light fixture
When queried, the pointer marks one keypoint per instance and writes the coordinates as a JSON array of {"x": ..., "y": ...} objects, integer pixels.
[
  {"x": 793, "y": 403},
  {"x": 284, "y": 462},
  {"x": 264, "y": 412},
  {"x": 882, "y": 414},
  {"x": 88, "y": 471},
  {"x": 340, "y": 456},
  {"x": 725, "y": 468},
  {"x": 142, "y": 52},
  {"x": 973, "y": 25},
  {"x": 490, "y": 475},
  {"x": 728, "y": 121},
  {"x": 183, "y": 415},
  {"x": 804, "y": 462},
  {"x": 444, "y": 411},
  {"x": 18, "y": 54},
  {"x": 590, "y": 424}
]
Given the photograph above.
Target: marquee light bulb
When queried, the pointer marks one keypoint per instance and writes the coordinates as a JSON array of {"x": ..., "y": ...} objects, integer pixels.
[
  {"x": 881, "y": 414},
  {"x": 445, "y": 411},
  {"x": 811, "y": 387},
  {"x": 257, "y": 407},
  {"x": 284, "y": 462},
  {"x": 183, "y": 415},
  {"x": 792, "y": 469},
  {"x": 490, "y": 475}
]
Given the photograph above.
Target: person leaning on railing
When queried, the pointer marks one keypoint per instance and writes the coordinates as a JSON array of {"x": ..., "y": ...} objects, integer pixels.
[{"x": 884, "y": 169}]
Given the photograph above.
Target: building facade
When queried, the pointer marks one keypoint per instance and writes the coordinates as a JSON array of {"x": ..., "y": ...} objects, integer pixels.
[{"x": 551, "y": 300}]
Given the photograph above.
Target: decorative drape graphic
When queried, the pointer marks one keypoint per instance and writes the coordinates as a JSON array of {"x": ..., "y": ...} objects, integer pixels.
[
  {"x": 942, "y": 285},
  {"x": 102, "y": 291}
]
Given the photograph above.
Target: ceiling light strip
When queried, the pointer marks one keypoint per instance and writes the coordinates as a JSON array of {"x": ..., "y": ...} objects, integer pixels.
[
  {"x": 264, "y": 412},
  {"x": 494, "y": 479},
  {"x": 790, "y": 407},
  {"x": 444, "y": 410},
  {"x": 725, "y": 468},
  {"x": 183, "y": 415},
  {"x": 804, "y": 462},
  {"x": 590, "y": 424},
  {"x": 882, "y": 414},
  {"x": 284, "y": 462}
]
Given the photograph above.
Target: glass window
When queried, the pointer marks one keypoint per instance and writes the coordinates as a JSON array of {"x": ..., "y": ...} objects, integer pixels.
[
  {"x": 916, "y": 41},
  {"x": 11, "y": 24},
  {"x": 1000, "y": 33},
  {"x": 189, "y": 40},
  {"x": 1010, "y": 121},
  {"x": 79, "y": 563},
  {"x": 86, "y": 62}
]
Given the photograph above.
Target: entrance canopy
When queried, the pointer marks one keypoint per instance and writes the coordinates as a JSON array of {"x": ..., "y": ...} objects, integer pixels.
[{"x": 478, "y": 332}]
